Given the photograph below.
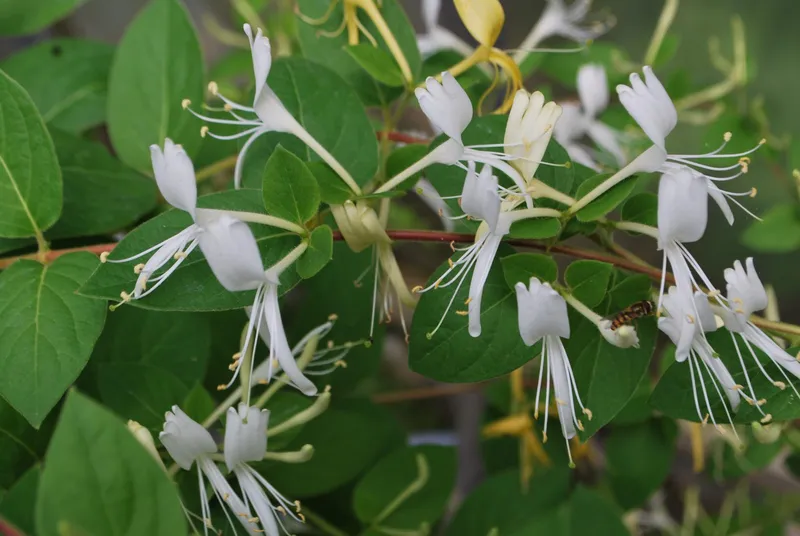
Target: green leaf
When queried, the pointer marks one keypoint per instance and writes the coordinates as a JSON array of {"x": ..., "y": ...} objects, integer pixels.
[
  {"x": 778, "y": 232},
  {"x": 588, "y": 281},
  {"x": 160, "y": 47},
  {"x": 338, "y": 459},
  {"x": 520, "y": 267},
  {"x": 22, "y": 445},
  {"x": 402, "y": 158},
  {"x": 192, "y": 287},
  {"x": 535, "y": 228},
  {"x": 19, "y": 17},
  {"x": 560, "y": 176},
  {"x": 332, "y": 189},
  {"x": 289, "y": 189},
  {"x": 586, "y": 513},
  {"x": 122, "y": 489},
  {"x": 564, "y": 67},
  {"x": 395, "y": 473},
  {"x": 606, "y": 202},
  {"x": 499, "y": 504},
  {"x": 101, "y": 195},
  {"x": 17, "y": 506},
  {"x": 741, "y": 461},
  {"x": 674, "y": 395},
  {"x": 198, "y": 404},
  {"x": 30, "y": 179},
  {"x": 47, "y": 332},
  {"x": 318, "y": 254},
  {"x": 452, "y": 354},
  {"x": 378, "y": 63},
  {"x": 307, "y": 90},
  {"x": 641, "y": 208},
  {"x": 639, "y": 459},
  {"x": 608, "y": 376},
  {"x": 78, "y": 100}
]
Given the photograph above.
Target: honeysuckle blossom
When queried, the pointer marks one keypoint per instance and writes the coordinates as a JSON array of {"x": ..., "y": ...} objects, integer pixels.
[
  {"x": 324, "y": 360},
  {"x": 188, "y": 443},
  {"x": 437, "y": 37},
  {"x": 746, "y": 295},
  {"x": 528, "y": 132},
  {"x": 689, "y": 317},
  {"x": 481, "y": 199},
  {"x": 175, "y": 178},
  {"x": 542, "y": 316},
  {"x": 267, "y": 114},
  {"x": 561, "y": 19},
  {"x": 581, "y": 120},
  {"x": 624, "y": 336},
  {"x": 246, "y": 441},
  {"x": 651, "y": 107},
  {"x": 361, "y": 228},
  {"x": 232, "y": 253}
]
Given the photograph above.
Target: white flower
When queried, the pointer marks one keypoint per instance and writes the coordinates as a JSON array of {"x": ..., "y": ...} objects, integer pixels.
[
  {"x": 446, "y": 105},
  {"x": 530, "y": 126},
  {"x": 246, "y": 441},
  {"x": 325, "y": 360},
  {"x": 429, "y": 195},
  {"x": 479, "y": 200},
  {"x": 746, "y": 295},
  {"x": 232, "y": 253},
  {"x": 690, "y": 316},
  {"x": 651, "y": 107},
  {"x": 682, "y": 207},
  {"x": 622, "y": 337},
  {"x": 542, "y": 315},
  {"x": 189, "y": 444},
  {"x": 437, "y": 37},
  {"x": 269, "y": 113},
  {"x": 577, "y": 122},
  {"x": 175, "y": 178},
  {"x": 560, "y": 19}
]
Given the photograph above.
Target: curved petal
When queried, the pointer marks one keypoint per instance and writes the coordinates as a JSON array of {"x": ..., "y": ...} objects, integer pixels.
[
  {"x": 722, "y": 202},
  {"x": 245, "y": 435},
  {"x": 541, "y": 311},
  {"x": 262, "y": 58},
  {"x": 174, "y": 175},
  {"x": 479, "y": 275},
  {"x": 232, "y": 254},
  {"x": 682, "y": 206},
  {"x": 559, "y": 364},
  {"x": 593, "y": 88}
]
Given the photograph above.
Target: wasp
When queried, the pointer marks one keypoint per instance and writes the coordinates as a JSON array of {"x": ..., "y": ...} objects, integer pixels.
[{"x": 632, "y": 312}]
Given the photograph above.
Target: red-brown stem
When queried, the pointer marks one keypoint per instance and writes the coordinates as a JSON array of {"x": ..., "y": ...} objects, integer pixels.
[
  {"x": 403, "y": 138},
  {"x": 53, "y": 254}
]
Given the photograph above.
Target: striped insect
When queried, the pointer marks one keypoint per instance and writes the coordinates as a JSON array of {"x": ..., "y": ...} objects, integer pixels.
[{"x": 636, "y": 310}]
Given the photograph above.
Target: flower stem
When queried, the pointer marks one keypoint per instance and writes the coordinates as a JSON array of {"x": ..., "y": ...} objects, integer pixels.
[
  {"x": 217, "y": 167},
  {"x": 580, "y": 307},
  {"x": 328, "y": 158},
  {"x": 423, "y": 473},
  {"x": 279, "y": 267},
  {"x": 265, "y": 219},
  {"x": 322, "y": 524},
  {"x": 648, "y": 230},
  {"x": 664, "y": 22}
]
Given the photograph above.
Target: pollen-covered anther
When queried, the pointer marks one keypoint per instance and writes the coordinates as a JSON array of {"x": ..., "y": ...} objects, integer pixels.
[
  {"x": 588, "y": 413},
  {"x": 762, "y": 141},
  {"x": 104, "y": 256},
  {"x": 221, "y": 387},
  {"x": 125, "y": 296},
  {"x": 333, "y": 317},
  {"x": 233, "y": 366},
  {"x": 330, "y": 345},
  {"x": 450, "y": 262},
  {"x": 253, "y": 520},
  {"x": 705, "y": 419},
  {"x": 713, "y": 293},
  {"x": 580, "y": 425},
  {"x": 213, "y": 88},
  {"x": 203, "y": 131},
  {"x": 226, "y": 496},
  {"x": 762, "y": 402},
  {"x": 179, "y": 255},
  {"x": 749, "y": 401},
  {"x": 544, "y": 437},
  {"x": 281, "y": 509},
  {"x": 779, "y": 385},
  {"x": 185, "y": 103},
  {"x": 466, "y": 302},
  {"x": 263, "y": 382},
  {"x": 227, "y": 107},
  {"x": 138, "y": 268},
  {"x": 302, "y": 517},
  {"x": 560, "y": 402},
  {"x": 462, "y": 313},
  {"x": 767, "y": 418},
  {"x": 727, "y": 136},
  {"x": 690, "y": 319},
  {"x": 341, "y": 363},
  {"x": 753, "y": 191},
  {"x": 207, "y": 522},
  {"x": 453, "y": 246},
  {"x": 417, "y": 289},
  {"x": 737, "y": 387}
]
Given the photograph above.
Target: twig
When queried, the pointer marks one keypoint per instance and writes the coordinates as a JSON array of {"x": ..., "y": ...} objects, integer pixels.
[{"x": 402, "y": 137}]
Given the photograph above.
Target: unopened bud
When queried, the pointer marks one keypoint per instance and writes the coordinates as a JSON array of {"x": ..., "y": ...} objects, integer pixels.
[
  {"x": 766, "y": 434},
  {"x": 145, "y": 438}
]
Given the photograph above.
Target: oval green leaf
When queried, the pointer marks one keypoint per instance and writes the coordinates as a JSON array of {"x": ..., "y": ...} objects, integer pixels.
[
  {"x": 19, "y": 17},
  {"x": 289, "y": 189},
  {"x": 158, "y": 64},
  {"x": 318, "y": 254},
  {"x": 606, "y": 202},
  {"x": 520, "y": 267},
  {"x": 588, "y": 280},
  {"x": 47, "y": 332},
  {"x": 30, "y": 179}
]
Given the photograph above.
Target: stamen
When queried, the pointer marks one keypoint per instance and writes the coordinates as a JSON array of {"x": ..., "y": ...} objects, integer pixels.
[
  {"x": 213, "y": 88},
  {"x": 185, "y": 103},
  {"x": 780, "y": 385},
  {"x": 203, "y": 131},
  {"x": 462, "y": 313},
  {"x": 138, "y": 268},
  {"x": 767, "y": 418},
  {"x": 104, "y": 256}
]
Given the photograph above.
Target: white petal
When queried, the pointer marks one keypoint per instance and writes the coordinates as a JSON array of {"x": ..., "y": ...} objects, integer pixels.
[
  {"x": 479, "y": 275},
  {"x": 558, "y": 363},
  {"x": 581, "y": 155},
  {"x": 262, "y": 58},
  {"x": 722, "y": 202},
  {"x": 607, "y": 139},
  {"x": 245, "y": 435},
  {"x": 175, "y": 177},
  {"x": 777, "y": 354},
  {"x": 622, "y": 337},
  {"x": 721, "y": 372},
  {"x": 650, "y": 106},
  {"x": 279, "y": 346},
  {"x": 541, "y": 311},
  {"x": 230, "y": 499},
  {"x": 258, "y": 499},
  {"x": 430, "y": 13},
  {"x": 184, "y": 439},
  {"x": 446, "y": 105},
  {"x": 593, "y": 88},
  {"x": 232, "y": 253},
  {"x": 571, "y": 125},
  {"x": 682, "y": 206},
  {"x": 480, "y": 198}
]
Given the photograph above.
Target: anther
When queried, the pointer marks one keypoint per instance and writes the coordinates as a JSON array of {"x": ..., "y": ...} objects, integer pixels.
[
  {"x": 713, "y": 293},
  {"x": 125, "y": 296},
  {"x": 341, "y": 363},
  {"x": 452, "y": 246},
  {"x": 727, "y": 136},
  {"x": 263, "y": 382},
  {"x": 690, "y": 319},
  {"x": 281, "y": 509},
  {"x": 753, "y": 191},
  {"x": 737, "y": 387},
  {"x": 179, "y": 255},
  {"x": 544, "y": 437},
  {"x": 297, "y": 506},
  {"x": 466, "y": 302},
  {"x": 104, "y": 256},
  {"x": 779, "y": 385},
  {"x": 762, "y": 402},
  {"x": 705, "y": 419},
  {"x": 588, "y": 413},
  {"x": 767, "y": 418},
  {"x": 330, "y": 345},
  {"x": 253, "y": 520},
  {"x": 450, "y": 262},
  {"x": 580, "y": 425},
  {"x": 226, "y": 496},
  {"x": 138, "y": 268},
  {"x": 417, "y": 289},
  {"x": 221, "y": 387},
  {"x": 185, "y": 103},
  {"x": 462, "y": 313},
  {"x": 203, "y": 131},
  {"x": 213, "y": 88},
  {"x": 227, "y": 107},
  {"x": 333, "y": 317},
  {"x": 560, "y": 402}
]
